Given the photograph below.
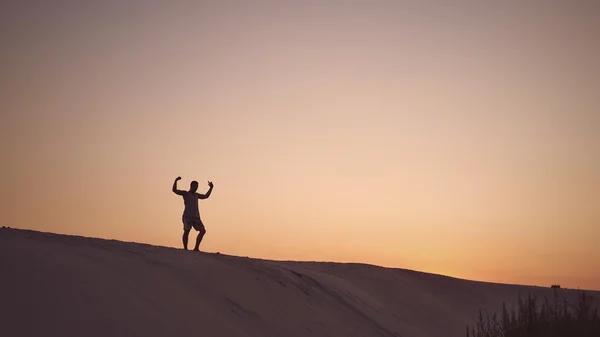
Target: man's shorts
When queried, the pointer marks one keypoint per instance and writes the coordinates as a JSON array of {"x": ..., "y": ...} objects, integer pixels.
[{"x": 189, "y": 222}]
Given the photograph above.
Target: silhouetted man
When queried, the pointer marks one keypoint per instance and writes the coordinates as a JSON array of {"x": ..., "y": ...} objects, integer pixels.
[{"x": 191, "y": 213}]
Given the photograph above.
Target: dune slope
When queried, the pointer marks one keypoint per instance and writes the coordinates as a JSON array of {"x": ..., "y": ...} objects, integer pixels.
[{"x": 59, "y": 285}]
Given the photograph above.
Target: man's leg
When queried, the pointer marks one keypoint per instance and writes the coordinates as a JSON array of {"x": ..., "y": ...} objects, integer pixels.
[
  {"x": 199, "y": 226},
  {"x": 199, "y": 238},
  {"x": 186, "y": 233}
]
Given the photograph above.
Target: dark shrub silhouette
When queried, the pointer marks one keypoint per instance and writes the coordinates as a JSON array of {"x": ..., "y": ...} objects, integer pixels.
[{"x": 533, "y": 319}]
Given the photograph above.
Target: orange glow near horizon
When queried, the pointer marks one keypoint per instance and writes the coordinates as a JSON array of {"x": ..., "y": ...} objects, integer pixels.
[{"x": 449, "y": 139}]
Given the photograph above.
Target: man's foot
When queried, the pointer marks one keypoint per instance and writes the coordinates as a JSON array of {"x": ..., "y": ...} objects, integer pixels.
[{"x": 196, "y": 249}]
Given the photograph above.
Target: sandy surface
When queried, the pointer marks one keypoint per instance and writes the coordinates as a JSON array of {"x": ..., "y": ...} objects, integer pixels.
[{"x": 58, "y": 285}]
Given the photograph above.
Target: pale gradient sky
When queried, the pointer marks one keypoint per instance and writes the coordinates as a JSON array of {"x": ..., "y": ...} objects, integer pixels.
[{"x": 459, "y": 139}]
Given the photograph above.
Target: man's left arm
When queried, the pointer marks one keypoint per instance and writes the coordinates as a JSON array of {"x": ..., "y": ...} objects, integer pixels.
[{"x": 205, "y": 196}]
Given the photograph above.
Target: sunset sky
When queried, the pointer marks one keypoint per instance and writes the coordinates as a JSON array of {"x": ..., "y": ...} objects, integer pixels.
[{"x": 458, "y": 139}]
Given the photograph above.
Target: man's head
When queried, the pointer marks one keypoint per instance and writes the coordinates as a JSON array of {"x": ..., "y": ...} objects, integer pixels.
[{"x": 193, "y": 186}]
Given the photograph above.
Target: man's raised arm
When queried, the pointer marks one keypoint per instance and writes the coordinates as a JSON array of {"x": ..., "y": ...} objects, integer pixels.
[
  {"x": 204, "y": 196},
  {"x": 175, "y": 190}
]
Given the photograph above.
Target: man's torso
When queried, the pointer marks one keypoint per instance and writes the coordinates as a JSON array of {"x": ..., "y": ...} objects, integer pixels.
[{"x": 190, "y": 201}]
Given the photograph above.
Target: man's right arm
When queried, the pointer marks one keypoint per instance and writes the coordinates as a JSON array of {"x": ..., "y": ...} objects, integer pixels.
[{"x": 175, "y": 190}]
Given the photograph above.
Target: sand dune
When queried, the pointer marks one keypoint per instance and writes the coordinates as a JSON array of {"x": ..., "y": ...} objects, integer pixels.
[{"x": 58, "y": 285}]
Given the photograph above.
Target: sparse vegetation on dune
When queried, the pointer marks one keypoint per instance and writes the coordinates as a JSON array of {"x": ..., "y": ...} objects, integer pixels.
[{"x": 556, "y": 318}]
